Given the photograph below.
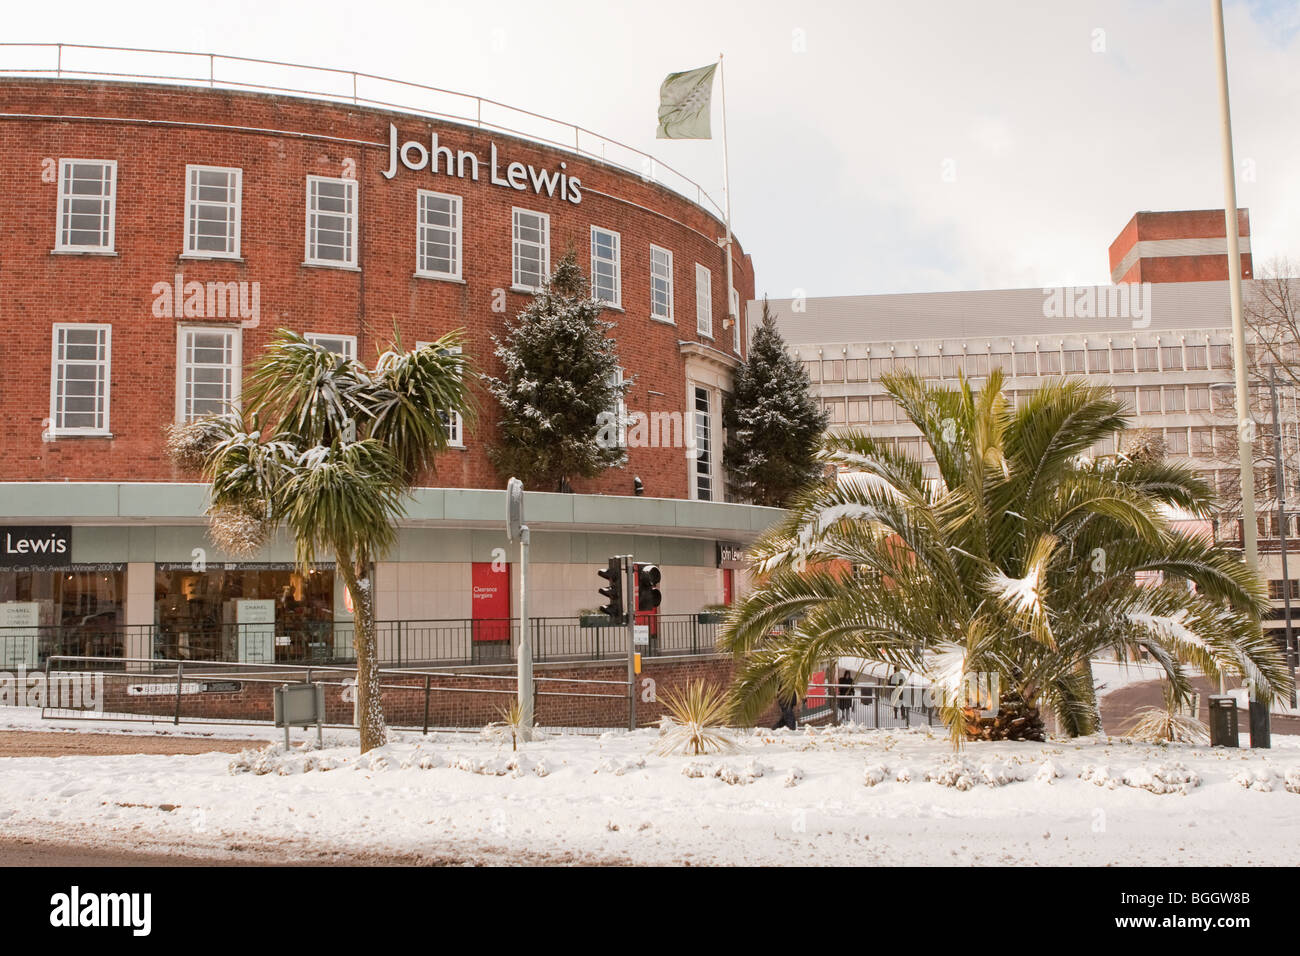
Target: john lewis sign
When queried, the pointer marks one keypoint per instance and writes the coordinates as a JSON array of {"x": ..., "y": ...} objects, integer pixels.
[
  {"x": 45, "y": 546},
  {"x": 464, "y": 163}
]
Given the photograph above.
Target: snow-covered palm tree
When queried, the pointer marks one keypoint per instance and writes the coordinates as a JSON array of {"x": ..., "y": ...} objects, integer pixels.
[
  {"x": 1023, "y": 559},
  {"x": 329, "y": 449}
]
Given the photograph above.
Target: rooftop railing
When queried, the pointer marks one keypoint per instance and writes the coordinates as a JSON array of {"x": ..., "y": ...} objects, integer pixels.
[{"x": 221, "y": 71}]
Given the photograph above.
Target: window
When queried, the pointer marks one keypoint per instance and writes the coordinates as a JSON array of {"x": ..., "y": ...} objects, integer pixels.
[
  {"x": 704, "y": 301},
  {"x": 606, "y": 273},
  {"x": 1198, "y": 398},
  {"x": 1121, "y": 360},
  {"x": 1148, "y": 360},
  {"x": 835, "y": 412},
  {"x": 703, "y": 446},
  {"x": 1171, "y": 358},
  {"x": 1126, "y": 397},
  {"x": 859, "y": 411},
  {"x": 1220, "y": 356},
  {"x": 736, "y": 319},
  {"x": 1000, "y": 360},
  {"x": 858, "y": 371},
  {"x": 1098, "y": 360},
  {"x": 1026, "y": 363},
  {"x": 531, "y": 249},
  {"x": 331, "y": 222},
  {"x": 87, "y": 208},
  {"x": 1074, "y": 361},
  {"x": 1196, "y": 357},
  {"x": 881, "y": 366},
  {"x": 213, "y": 196},
  {"x": 1149, "y": 400},
  {"x": 79, "y": 380},
  {"x": 1175, "y": 441},
  {"x": 1175, "y": 399},
  {"x": 208, "y": 365},
  {"x": 882, "y": 408},
  {"x": 619, "y": 409},
  {"x": 344, "y": 345},
  {"x": 438, "y": 236},
  {"x": 814, "y": 369},
  {"x": 833, "y": 370},
  {"x": 661, "y": 284},
  {"x": 951, "y": 366},
  {"x": 453, "y": 420},
  {"x": 1203, "y": 442},
  {"x": 929, "y": 366},
  {"x": 977, "y": 366},
  {"x": 1049, "y": 363}
]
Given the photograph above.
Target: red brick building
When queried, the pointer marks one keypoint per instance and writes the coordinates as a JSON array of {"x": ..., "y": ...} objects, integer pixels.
[{"x": 156, "y": 236}]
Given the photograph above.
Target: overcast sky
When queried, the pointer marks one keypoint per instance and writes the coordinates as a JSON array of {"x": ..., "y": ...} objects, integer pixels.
[{"x": 875, "y": 146}]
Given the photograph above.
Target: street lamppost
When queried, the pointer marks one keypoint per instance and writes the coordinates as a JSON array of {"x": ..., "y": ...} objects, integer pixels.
[{"x": 1279, "y": 480}]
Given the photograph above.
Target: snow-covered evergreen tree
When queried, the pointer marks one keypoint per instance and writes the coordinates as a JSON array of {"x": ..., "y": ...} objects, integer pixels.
[
  {"x": 560, "y": 391},
  {"x": 774, "y": 425}
]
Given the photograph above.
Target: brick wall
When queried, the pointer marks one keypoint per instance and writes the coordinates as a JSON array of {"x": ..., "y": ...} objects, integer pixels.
[{"x": 154, "y": 132}]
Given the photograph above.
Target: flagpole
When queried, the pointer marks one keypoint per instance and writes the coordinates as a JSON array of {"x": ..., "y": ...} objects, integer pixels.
[{"x": 726, "y": 197}]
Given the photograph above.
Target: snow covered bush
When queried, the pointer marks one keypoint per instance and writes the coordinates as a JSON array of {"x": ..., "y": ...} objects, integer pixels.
[{"x": 696, "y": 713}]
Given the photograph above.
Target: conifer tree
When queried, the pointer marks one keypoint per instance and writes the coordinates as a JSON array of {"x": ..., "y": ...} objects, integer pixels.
[
  {"x": 560, "y": 390},
  {"x": 774, "y": 425}
]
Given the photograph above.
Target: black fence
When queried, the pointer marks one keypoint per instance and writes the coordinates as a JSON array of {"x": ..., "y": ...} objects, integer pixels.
[{"x": 399, "y": 643}]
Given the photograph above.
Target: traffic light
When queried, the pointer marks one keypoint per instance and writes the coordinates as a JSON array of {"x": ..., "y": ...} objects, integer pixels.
[
  {"x": 613, "y": 592},
  {"x": 647, "y": 587}
]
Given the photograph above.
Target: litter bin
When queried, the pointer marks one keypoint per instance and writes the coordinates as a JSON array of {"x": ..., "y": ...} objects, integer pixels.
[
  {"x": 1260, "y": 731},
  {"x": 1223, "y": 720}
]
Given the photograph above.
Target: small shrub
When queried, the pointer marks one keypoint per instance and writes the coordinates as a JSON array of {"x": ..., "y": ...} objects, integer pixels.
[{"x": 697, "y": 715}]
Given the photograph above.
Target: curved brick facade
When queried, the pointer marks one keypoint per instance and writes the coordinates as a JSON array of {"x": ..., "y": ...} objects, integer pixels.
[{"x": 154, "y": 132}]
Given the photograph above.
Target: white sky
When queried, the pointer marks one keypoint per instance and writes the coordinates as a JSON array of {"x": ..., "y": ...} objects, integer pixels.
[{"x": 838, "y": 150}]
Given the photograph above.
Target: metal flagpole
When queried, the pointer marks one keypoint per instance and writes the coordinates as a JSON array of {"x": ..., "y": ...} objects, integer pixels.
[{"x": 726, "y": 196}]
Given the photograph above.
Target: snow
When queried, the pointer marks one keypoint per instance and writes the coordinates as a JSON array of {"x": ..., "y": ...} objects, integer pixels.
[{"x": 834, "y": 796}]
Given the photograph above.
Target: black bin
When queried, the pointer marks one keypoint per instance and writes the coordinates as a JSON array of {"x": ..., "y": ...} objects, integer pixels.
[{"x": 1223, "y": 721}]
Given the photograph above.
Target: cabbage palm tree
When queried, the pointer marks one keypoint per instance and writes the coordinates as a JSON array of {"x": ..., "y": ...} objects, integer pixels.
[
  {"x": 329, "y": 449},
  {"x": 1023, "y": 559}
]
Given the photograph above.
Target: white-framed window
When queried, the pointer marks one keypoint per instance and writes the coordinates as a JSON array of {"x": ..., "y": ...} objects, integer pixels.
[
  {"x": 213, "y": 203},
  {"x": 453, "y": 420},
  {"x": 331, "y": 221},
  {"x": 735, "y": 321},
  {"x": 344, "y": 345},
  {"x": 438, "y": 237},
  {"x": 530, "y": 248},
  {"x": 79, "y": 379},
  {"x": 606, "y": 271},
  {"x": 619, "y": 408},
  {"x": 87, "y": 205},
  {"x": 208, "y": 363},
  {"x": 703, "y": 301},
  {"x": 703, "y": 477},
  {"x": 661, "y": 284}
]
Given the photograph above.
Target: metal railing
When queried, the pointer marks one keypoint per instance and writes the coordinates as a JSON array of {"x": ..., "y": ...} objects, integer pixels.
[
  {"x": 221, "y": 71},
  {"x": 177, "y": 692},
  {"x": 453, "y": 641}
]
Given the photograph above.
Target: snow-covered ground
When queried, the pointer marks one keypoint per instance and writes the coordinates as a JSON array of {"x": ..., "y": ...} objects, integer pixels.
[{"x": 836, "y": 796}]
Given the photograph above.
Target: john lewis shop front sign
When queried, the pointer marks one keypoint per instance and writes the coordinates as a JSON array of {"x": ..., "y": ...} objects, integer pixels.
[{"x": 464, "y": 163}]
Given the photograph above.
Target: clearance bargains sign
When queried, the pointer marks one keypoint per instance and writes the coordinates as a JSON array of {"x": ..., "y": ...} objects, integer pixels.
[
  {"x": 465, "y": 163},
  {"x": 490, "y": 601}
]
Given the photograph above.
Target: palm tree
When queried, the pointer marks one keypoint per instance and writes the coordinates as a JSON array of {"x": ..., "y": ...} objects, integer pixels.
[
  {"x": 329, "y": 449},
  {"x": 1023, "y": 559}
]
